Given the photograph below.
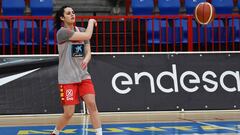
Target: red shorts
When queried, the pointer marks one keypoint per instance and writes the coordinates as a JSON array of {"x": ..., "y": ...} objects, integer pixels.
[{"x": 70, "y": 93}]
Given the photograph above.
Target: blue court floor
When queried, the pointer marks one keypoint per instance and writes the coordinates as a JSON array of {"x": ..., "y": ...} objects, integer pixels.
[{"x": 165, "y": 128}]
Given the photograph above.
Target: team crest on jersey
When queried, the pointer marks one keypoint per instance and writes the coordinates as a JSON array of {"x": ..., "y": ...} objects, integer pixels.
[
  {"x": 69, "y": 94},
  {"x": 77, "y": 50}
]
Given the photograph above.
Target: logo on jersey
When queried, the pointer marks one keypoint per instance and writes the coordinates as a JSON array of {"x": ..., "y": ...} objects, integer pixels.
[
  {"x": 69, "y": 94},
  {"x": 77, "y": 50}
]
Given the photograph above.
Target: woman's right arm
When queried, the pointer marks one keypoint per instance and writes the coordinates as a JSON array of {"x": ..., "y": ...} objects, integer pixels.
[{"x": 85, "y": 35}]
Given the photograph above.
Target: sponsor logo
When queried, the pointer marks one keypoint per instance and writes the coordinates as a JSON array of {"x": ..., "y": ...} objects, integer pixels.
[
  {"x": 77, "y": 50},
  {"x": 69, "y": 94},
  {"x": 11, "y": 78},
  {"x": 188, "y": 81}
]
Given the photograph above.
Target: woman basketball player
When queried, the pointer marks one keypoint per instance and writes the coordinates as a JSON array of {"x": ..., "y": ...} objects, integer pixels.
[{"x": 73, "y": 77}]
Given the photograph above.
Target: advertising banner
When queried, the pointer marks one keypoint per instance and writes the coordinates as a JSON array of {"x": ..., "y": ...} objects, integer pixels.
[
  {"x": 166, "y": 82},
  {"x": 126, "y": 82}
]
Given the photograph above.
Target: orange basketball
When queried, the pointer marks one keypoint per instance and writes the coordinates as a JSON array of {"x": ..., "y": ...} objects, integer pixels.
[{"x": 204, "y": 13}]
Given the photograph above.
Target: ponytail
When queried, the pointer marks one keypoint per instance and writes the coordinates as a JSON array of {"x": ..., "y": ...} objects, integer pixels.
[{"x": 57, "y": 20}]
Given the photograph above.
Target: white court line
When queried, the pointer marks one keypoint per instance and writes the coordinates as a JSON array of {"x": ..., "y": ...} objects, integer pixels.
[
  {"x": 227, "y": 128},
  {"x": 208, "y": 124}
]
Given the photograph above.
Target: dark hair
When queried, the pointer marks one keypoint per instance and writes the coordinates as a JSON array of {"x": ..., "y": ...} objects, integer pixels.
[{"x": 57, "y": 20}]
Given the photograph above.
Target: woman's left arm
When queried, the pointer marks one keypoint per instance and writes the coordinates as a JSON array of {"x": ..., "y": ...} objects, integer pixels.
[{"x": 87, "y": 56}]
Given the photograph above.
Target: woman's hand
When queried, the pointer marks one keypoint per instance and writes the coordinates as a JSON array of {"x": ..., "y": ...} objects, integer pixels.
[
  {"x": 93, "y": 21},
  {"x": 84, "y": 64}
]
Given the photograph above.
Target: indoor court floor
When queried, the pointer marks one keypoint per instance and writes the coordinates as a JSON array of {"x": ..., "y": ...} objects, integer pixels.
[{"x": 144, "y": 123}]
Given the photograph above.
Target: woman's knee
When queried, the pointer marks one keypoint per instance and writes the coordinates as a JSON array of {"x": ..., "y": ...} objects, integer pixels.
[
  {"x": 68, "y": 111},
  {"x": 90, "y": 102},
  {"x": 68, "y": 114},
  {"x": 92, "y": 107}
]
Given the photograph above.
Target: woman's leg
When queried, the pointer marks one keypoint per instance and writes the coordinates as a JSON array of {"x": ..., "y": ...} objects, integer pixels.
[
  {"x": 64, "y": 119},
  {"x": 93, "y": 111}
]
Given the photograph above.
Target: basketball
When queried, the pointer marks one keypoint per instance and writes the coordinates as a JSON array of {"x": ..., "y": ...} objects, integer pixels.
[{"x": 204, "y": 13}]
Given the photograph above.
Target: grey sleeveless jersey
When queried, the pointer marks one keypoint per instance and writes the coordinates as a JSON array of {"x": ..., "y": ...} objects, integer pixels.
[{"x": 71, "y": 54}]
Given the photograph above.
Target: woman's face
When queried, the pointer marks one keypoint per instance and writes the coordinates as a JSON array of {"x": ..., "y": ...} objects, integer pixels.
[{"x": 69, "y": 15}]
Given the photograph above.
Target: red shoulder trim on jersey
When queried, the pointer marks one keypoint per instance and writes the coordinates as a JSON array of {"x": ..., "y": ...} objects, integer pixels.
[
  {"x": 76, "y": 41},
  {"x": 62, "y": 42}
]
